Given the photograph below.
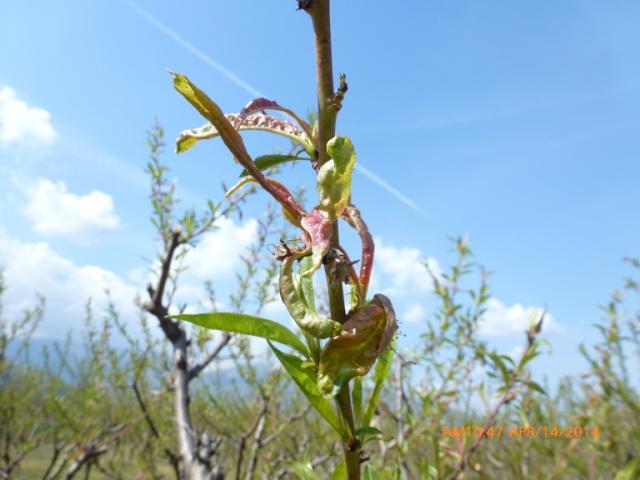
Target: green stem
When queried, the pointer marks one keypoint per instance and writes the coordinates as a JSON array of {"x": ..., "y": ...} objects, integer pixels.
[
  {"x": 350, "y": 444},
  {"x": 319, "y": 10}
]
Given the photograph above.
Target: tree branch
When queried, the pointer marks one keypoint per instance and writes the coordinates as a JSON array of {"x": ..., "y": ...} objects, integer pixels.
[{"x": 197, "y": 369}]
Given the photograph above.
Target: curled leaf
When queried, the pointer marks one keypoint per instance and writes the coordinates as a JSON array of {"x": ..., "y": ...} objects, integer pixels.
[
  {"x": 260, "y": 104},
  {"x": 231, "y": 138},
  {"x": 365, "y": 335},
  {"x": 293, "y": 211},
  {"x": 255, "y": 122},
  {"x": 353, "y": 216},
  {"x": 320, "y": 230},
  {"x": 306, "y": 317},
  {"x": 212, "y": 112},
  {"x": 334, "y": 177}
]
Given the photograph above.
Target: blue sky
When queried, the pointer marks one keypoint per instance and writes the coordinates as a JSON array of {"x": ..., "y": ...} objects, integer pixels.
[{"x": 516, "y": 123}]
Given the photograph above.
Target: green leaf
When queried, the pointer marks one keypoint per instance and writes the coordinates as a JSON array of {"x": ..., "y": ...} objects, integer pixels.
[
  {"x": 369, "y": 473},
  {"x": 397, "y": 473},
  {"x": 383, "y": 367},
  {"x": 630, "y": 471},
  {"x": 364, "y": 432},
  {"x": 247, "y": 325},
  {"x": 307, "y": 382},
  {"x": 356, "y": 399},
  {"x": 304, "y": 471},
  {"x": 535, "y": 386},
  {"x": 367, "y": 431},
  {"x": 268, "y": 161},
  {"x": 498, "y": 361},
  {"x": 340, "y": 473}
]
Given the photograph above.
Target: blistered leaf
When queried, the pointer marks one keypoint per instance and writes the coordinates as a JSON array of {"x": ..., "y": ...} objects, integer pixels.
[
  {"x": 307, "y": 319},
  {"x": 365, "y": 335},
  {"x": 307, "y": 382},
  {"x": 248, "y": 325},
  {"x": 255, "y": 122},
  {"x": 334, "y": 177},
  {"x": 260, "y": 104},
  {"x": 320, "y": 230},
  {"x": 268, "y": 161}
]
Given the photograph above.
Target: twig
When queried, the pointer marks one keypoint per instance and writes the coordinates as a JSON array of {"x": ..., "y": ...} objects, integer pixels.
[{"x": 197, "y": 369}]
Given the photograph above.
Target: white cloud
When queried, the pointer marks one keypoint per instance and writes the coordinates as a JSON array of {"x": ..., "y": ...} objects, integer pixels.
[
  {"x": 57, "y": 212},
  {"x": 215, "y": 259},
  {"x": 516, "y": 352},
  {"x": 400, "y": 271},
  {"x": 31, "y": 268},
  {"x": 500, "y": 320},
  {"x": 217, "y": 255},
  {"x": 415, "y": 313},
  {"x": 21, "y": 124}
]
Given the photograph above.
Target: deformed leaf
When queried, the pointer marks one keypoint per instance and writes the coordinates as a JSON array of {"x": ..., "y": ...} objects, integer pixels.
[
  {"x": 188, "y": 138},
  {"x": 260, "y": 104},
  {"x": 232, "y": 139},
  {"x": 293, "y": 211},
  {"x": 306, "y": 283},
  {"x": 353, "y": 216},
  {"x": 320, "y": 230},
  {"x": 212, "y": 112},
  {"x": 334, "y": 177},
  {"x": 307, "y": 318},
  {"x": 307, "y": 382},
  {"x": 365, "y": 335},
  {"x": 255, "y": 122},
  {"x": 247, "y": 325}
]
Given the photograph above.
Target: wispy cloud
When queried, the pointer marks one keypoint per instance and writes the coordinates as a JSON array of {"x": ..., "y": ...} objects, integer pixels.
[
  {"x": 390, "y": 189},
  {"x": 255, "y": 92},
  {"x": 193, "y": 49}
]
